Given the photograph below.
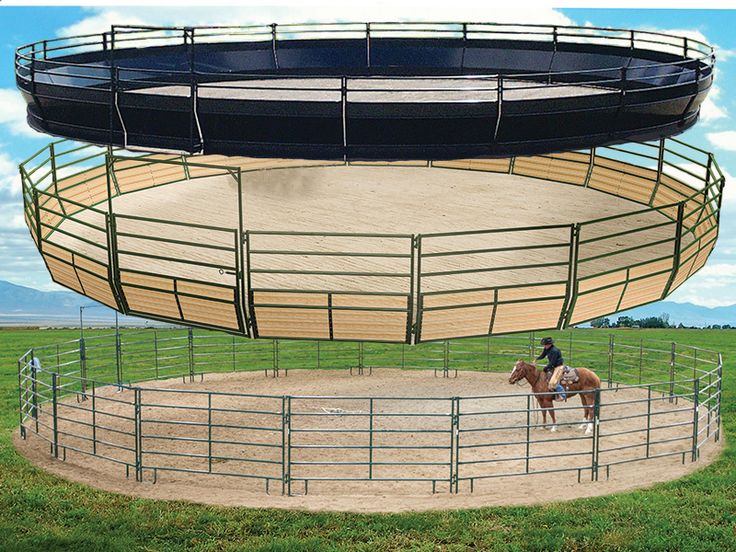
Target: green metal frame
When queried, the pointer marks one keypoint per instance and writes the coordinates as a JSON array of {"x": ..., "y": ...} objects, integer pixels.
[
  {"x": 43, "y": 189},
  {"x": 686, "y": 379}
]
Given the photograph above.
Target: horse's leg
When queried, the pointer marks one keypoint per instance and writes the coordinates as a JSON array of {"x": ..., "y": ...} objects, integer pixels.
[
  {"x": 552, "y": 413},
  {"x": 584, "y": 401},
  {"x": 589, "y": 414},
  {"x": 544, "y": 413}
]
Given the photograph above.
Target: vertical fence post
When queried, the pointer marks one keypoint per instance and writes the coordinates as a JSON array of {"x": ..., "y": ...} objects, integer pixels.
[
  {"x": 370, "y": 438},
  {"x": 286, "y": 445},
  {"x": 649, "y": 418},
  {"x": 611, "y": 347},
  {"x": 34, "y": 388},
  {"x": 54, "y": 402},
  {"x": 209, "y": 432},
  {"x": 673, "y": 355},
  {"x": 718, "y": 398},
  {"x": 83, "y": 364},
  {"x": 596, "y": 436},
  {"x": 94, "y": 419},
  {"x": 641, "y": 357},
  {"x": 528, "y": 431},
  {"x": 696, "y": 404},
  {"x": 21, "y": 408},
  {"x": 457, "y": 444},
  {"x": 190, "y": 343},
  {"x": 118, "y": 359},
  {"x": 137, "y": 431}
]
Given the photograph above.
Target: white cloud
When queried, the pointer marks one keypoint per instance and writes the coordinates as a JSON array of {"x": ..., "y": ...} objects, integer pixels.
[
  {"x": 103, "y": 18},
  {"x": 725, "y": 140},
  {"x": 9, "y": 177},
  {"x": 709, "y": 110},
  {"x": 712, "y": 286},
  {"x": 100, "y": 22},
  {"x": 13, "y": 113}
]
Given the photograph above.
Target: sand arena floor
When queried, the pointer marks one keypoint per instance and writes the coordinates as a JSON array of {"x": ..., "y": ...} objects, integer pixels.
[{"x": 330, "y": 438}]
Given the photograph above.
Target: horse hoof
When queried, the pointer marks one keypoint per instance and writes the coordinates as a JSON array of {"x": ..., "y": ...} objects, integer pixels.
[{"x": 553, "y": 428}]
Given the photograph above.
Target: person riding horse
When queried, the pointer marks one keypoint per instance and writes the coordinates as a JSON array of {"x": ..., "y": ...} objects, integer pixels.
[{"x": 555, "y": 366}]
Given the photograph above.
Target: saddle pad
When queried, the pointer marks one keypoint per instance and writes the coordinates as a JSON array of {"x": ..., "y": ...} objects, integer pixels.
[{"x": 569, "y": 375}]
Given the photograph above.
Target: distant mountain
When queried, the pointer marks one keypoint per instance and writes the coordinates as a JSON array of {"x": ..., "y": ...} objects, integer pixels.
[
  {"x": 685, "y": 313},
  {"x": 21, "y": 306}
]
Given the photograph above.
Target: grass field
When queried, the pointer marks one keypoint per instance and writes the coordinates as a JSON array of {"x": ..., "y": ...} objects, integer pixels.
[{"x": 40, "y": 512}]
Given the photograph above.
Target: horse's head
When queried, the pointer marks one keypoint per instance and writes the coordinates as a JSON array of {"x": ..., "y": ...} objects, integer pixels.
[{"x": 519, "y": 371}]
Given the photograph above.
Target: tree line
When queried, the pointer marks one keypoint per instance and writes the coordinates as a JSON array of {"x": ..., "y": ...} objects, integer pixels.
[{"x": 661, "y": 321}]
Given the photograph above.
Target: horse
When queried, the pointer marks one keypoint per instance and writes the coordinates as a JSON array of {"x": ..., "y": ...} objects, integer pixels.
[{"x": 586, "y": 386}]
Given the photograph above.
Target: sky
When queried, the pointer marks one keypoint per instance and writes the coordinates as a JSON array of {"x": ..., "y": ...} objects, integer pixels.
[{"x": 20, "y": 263}]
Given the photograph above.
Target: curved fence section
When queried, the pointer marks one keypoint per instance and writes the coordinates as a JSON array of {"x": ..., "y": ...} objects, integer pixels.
[
  {"x": 373, "y": 286},
  {"x": 97, "y": 399},
  {"x": 347, "y": 90}
]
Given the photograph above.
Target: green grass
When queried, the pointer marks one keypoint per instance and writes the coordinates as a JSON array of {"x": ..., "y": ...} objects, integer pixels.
[{"x": 40, "y": 512}]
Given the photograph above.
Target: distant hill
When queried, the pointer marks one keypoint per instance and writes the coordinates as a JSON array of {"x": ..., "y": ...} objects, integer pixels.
[
  {"x": 685, "y": 313},
  {"x": 21, "y": 305}
]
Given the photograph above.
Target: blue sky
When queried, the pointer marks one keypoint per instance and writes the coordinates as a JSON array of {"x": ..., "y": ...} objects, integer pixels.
[{"x": 715, "y": 285}]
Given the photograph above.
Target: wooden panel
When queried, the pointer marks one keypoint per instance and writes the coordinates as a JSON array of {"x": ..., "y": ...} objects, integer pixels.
[
  {"x": 457, "y": 298},
  {"x": 289, "y": 298},
  {"x": 551, "y": 168},
  {"x": 650, "y": 268},
  {"x": 535, "y": 292},
  {"x": 516, "y": 317},
  {"x": 63, "y": 273},
  {"x": 213, "y": 313},
  {"x": 59, "y": 252},
  {"x": 636, "y": 188},
  {"x": 596, "y": 282},
  {"x": 377, "y": 301},
  {"x": 151, "y": 302},
  {"x": 97, "y": 288},
  {"x": 644, "y": 290},
  {"x": 165, "y": 284},
  {"x": 448, "y": 323},
  {"x": 486, "y": 165},
  {"x": 596, "y": 303},
  {"x": 204, "y": 290},
  {"x": 364, "y": 325},
  {"x": 292, "y": 322},
  {"x": 92, "y": 266}
]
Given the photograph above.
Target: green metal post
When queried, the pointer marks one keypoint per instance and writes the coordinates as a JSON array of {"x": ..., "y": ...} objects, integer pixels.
[
  {"x": 641, "y": 357},
  {"x": 696, "y": 403},
  {"x": 528, "y": 430},
  {"x": 370, "y": 439},
  {"x": 457, "y": 444},
  {"x": 649, "y": 418},
  {"x": 83, "y": 364},
  {"x": 611, "y": 348},
  {"x": 54, "y": 402},
  {"x": 718, "y": 398},
  {"x": 596, "y": 436},
  {"x": 209, "y": 432},
  {"x": 94, "y": 419},
  {"x": 673, "y": 355},
  {"x": 118, "y": 359},
  {"x": 138, "y": 438},
  {"x": 34, "y": 388}
]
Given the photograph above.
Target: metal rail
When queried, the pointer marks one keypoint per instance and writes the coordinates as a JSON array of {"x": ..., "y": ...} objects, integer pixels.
[
  {"x": 662, "y": 399},
  {"x": 688, "y": 197}
]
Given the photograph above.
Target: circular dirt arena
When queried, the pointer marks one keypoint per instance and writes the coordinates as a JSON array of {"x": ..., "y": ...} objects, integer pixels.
[{"x": 391, "y": 440}]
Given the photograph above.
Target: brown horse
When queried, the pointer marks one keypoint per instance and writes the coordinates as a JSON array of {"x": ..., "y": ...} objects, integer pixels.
[{"x": 586, "y": 386}]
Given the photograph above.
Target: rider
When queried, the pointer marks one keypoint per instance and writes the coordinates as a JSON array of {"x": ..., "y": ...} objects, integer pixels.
[{"x": 555, "y": 365}]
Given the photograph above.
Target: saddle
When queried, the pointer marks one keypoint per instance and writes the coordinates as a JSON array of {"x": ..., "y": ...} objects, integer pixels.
[{"x": 569, "y": 376}]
